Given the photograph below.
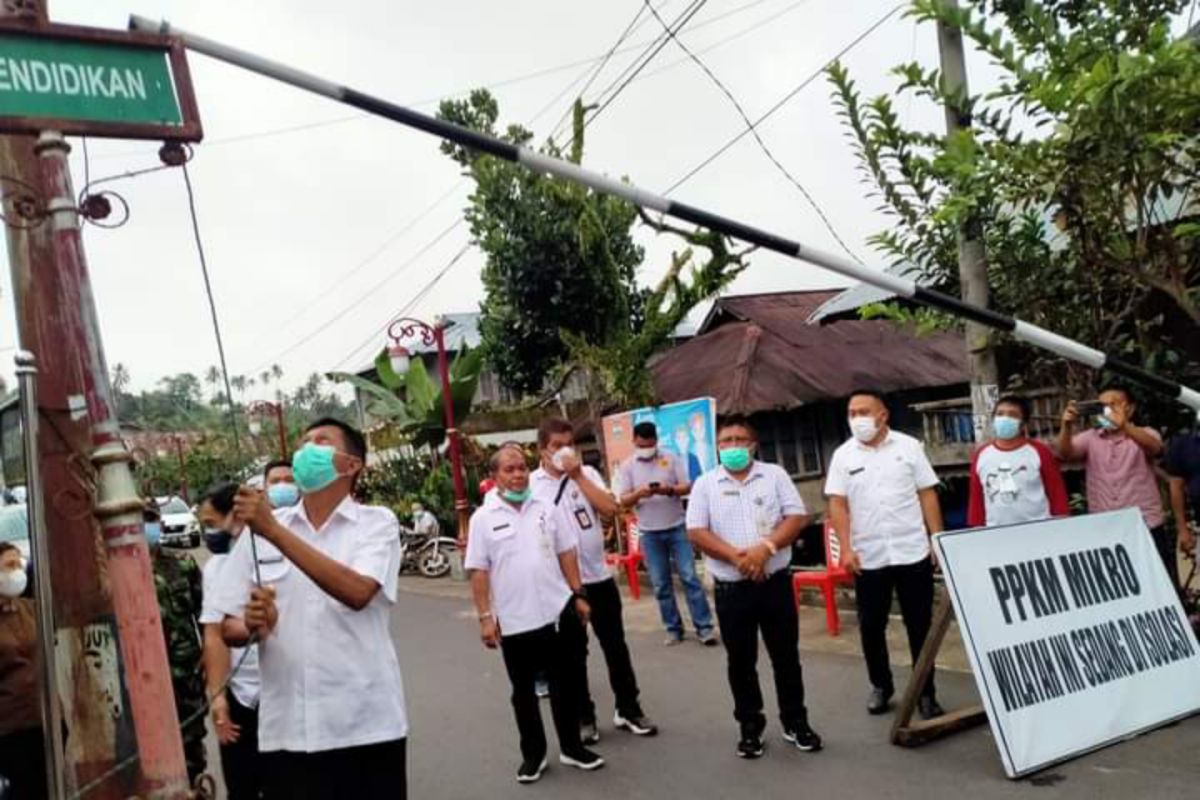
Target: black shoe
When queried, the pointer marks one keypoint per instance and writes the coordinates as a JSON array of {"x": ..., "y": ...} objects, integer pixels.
[
  {"x": 929, "y": 708},
  {"x": 637, "y": 724},
  {"x": 751, "y": 745},
  {"x": 530, "y": 771},
  {"x": 589, "y": 733},
  {"x": 879, "y": 701},
  {"x": 804, "y": 737},
  {"x": 583, "y": 759}
]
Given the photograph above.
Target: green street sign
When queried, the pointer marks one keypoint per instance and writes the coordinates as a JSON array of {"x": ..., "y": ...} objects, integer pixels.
[{"x": 94, "y": 82}]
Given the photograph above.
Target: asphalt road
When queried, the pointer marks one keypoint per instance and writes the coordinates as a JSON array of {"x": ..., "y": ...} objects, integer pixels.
[{"x": 463, "y": 739}]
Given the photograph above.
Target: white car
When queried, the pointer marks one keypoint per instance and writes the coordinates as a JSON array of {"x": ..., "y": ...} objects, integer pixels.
[{"x": 180, "y": 528}]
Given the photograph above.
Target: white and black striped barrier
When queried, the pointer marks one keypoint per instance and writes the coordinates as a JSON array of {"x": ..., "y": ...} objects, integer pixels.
[{"x": 1040, "y": 337}]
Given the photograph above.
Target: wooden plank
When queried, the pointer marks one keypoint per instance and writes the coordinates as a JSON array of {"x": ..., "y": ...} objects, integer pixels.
[{"x": 906, "y": 732}]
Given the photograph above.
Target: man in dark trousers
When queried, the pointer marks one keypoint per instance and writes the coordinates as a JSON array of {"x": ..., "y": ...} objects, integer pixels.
[
  {"x": 527, "y": 590},
  {"x": 578, "y": 494},
  {"x": 744, "y": 516}
]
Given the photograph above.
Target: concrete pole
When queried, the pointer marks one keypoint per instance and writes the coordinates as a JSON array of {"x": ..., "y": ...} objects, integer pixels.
[
  {"x": 972, "y": 261},
  {"x": 113, "y": 677}
]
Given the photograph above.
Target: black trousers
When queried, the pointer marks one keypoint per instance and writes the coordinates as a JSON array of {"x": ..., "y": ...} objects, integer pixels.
[
  {"x": 1165, "y": 541},
  {"x": 240, "y": 760},
  {"x": 370, "y": 772},
  {"x": 605, "y": 600},
  {"x": 526, "y": 655},
  {"x": 873, "y": 588},
  {"x": 744, "y": 608},
  {"x": 23, "y": 763}
]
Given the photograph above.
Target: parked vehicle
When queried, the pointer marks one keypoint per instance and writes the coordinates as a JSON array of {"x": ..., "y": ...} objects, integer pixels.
[
  {"x": 180, "y": 528},
  {"x": 428, "y": 554}
]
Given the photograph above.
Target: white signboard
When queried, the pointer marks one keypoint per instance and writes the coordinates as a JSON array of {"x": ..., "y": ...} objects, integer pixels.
[{"x": 1074, "y": 633}]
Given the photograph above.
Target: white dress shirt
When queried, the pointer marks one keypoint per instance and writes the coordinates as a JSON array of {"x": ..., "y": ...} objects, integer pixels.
[
  {"x": 519, "y": 549},
  {"x": 579, "y": 517},
  {"x": 743, "y": 513},
  {"x": 246, "y": 681},
  {"x": 330, "y": 677},
  {"x": 880, "y": 485}
]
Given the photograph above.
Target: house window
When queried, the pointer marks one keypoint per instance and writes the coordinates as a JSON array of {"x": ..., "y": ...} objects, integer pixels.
[{"x": 789, "y": 439}]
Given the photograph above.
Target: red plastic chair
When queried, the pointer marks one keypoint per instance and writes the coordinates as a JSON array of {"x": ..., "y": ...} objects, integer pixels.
[
  {"x": 826, "y": 580},
  {"x": 630, "y": 559}
]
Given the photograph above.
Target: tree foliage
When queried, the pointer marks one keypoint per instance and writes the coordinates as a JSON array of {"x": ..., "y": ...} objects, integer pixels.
[
  {"x": 560, "y": 257},
  {"x": 561, "y": 271},
  {"x": 1080, "y": 171},
  {"x": 412, "y": 402}
]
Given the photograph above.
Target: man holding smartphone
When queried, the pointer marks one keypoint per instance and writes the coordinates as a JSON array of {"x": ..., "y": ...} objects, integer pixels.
[{"x": 1119, "y": 457}]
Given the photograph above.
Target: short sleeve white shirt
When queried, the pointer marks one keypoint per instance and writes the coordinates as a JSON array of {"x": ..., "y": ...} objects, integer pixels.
[
  {"x": 578, "y": 517},
  {"x": 519, "y": 549},
  {"x": 330, "y": 676},
  {"x": 743, "y": 513},
  {"x": 880, "y": 485},
  {"x": 657, "y": 512},
  {"x": 245, "y": 682}
]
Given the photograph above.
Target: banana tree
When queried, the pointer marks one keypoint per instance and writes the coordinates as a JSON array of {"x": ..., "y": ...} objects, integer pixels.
[{"x": 412, "y": 402}]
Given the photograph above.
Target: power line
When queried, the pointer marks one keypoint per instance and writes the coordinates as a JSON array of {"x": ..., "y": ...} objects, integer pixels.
[
  {"x": 212, "y": 307},
  {"x": 348, "y": 308},
  {"x": 757, "y": 137},
  {"x": 418, "y": 297},
  {"x": 784, "y": 100}
]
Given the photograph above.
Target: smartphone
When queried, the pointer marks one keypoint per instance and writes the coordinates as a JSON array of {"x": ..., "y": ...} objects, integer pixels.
[
  {"x": 655, "y": 485},
  {"x": 1089, "y": 408}
]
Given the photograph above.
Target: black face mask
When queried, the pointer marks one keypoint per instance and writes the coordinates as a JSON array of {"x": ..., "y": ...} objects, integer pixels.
[{"x": 218, "y": 541}]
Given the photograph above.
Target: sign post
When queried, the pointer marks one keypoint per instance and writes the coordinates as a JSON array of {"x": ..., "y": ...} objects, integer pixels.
[{"x": 1075, "y": 635}]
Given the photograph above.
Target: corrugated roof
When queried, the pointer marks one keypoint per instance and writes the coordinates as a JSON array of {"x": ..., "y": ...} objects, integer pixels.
[{"x": 760, "y": 353}]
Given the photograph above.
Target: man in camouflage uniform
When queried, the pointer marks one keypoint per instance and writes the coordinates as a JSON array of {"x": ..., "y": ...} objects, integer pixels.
[{"x": 177, "y": 581}]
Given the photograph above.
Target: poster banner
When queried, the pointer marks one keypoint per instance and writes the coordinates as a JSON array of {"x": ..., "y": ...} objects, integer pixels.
[
  {"x": 1075, "y": 635},
  {"x": 687, "y": 429}
]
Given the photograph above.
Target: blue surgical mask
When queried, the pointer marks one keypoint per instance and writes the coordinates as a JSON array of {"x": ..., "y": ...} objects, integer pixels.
[
  {"x": 153, "y": 533},
  {"x": 282, "y": 495},
  {"x": 516, "y": 495},
  {"x": 1006, "y": 427},
  {"x": 217, "y": 540},
  {"x": 312, "y": 467}
]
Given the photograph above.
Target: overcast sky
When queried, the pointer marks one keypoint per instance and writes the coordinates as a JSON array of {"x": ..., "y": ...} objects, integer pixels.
[{"x": 290, "y": 218}]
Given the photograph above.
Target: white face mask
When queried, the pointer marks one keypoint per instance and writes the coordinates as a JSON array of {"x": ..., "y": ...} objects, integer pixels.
[
  {"x": 645, "y": 453},
  {"x": 864, "y": 428},
  {"x": 559, "y": 455},
  {"x": 13, "y": 583}
]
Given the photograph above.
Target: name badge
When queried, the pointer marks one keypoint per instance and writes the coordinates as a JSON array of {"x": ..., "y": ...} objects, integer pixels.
[
  {"x": 856, "y": 471},
  {"x": 583, "y": 518},
  {"x": 276, "y": 559},
  {"x": 502, "y": 527},
  {"x": 731, "y": 493}
]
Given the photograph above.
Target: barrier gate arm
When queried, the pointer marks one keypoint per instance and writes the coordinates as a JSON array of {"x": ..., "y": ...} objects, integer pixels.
[{"x": 1024, "y": 331}]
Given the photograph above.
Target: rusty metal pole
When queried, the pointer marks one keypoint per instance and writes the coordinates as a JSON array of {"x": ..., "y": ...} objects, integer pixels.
[
  {"x": 452, "y": 436},
  {"x": 118, "y": 506},
  {"x": 52, "y": 721}
]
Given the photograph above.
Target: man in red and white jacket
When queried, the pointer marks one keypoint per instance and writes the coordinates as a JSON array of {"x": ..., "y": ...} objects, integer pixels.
[{"x": 1014, "y": 478}]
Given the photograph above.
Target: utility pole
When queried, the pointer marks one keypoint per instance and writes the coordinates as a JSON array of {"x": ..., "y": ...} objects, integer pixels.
[
  {"x": 113, "y": 675},
  {"x": 972, "y": 261}
]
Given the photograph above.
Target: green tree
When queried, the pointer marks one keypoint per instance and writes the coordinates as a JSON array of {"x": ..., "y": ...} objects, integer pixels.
[
  {"x": 560, "y": 257},
  {"x": 1080, "y": 169}
]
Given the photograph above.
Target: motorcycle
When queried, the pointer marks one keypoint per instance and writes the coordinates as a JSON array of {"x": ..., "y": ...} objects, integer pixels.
[{"x": 428, "y": 554}]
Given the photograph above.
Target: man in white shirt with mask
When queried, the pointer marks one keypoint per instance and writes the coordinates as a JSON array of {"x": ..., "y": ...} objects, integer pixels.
[
  {"x": 315, "y": 586},
  {"x": 527, "y": 590},
  {"x": 882, "y": 499},
  {"x": 579, "y": 494}
]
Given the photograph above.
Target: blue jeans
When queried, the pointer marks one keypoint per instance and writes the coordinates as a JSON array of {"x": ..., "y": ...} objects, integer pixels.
[{"x": 659, "y": 549}]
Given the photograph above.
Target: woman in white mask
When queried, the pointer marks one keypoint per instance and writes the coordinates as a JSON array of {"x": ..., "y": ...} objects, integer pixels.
[{"x": 21, "y": 756}]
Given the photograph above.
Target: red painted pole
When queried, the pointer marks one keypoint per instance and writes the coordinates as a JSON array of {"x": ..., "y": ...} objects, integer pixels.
[{"x": 456, "y": 466}]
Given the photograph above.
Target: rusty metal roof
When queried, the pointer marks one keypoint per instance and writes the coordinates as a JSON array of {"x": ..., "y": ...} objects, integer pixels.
[{"x": 760, "y": 353}]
